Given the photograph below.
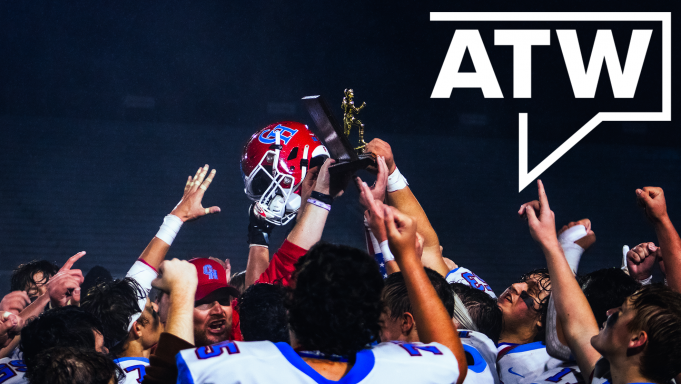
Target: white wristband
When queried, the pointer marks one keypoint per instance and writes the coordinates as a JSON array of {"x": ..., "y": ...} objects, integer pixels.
[
  {"x": 648, "y": 280},
  {"x": 573, "y": 252},
  {"x": 169, "y": 229},
  {"x": 396, "y": 181},
  {"x": 385, "y": 250}
]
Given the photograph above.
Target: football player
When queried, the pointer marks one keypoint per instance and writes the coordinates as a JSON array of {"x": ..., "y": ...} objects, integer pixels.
[
  {"x": 334, "y": 315},
  {"x": 640, "y": 340}
]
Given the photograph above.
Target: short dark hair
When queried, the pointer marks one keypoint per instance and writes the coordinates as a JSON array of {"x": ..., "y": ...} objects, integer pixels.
[
  {"x": 544, "y": 281},
  {"x": 658, "y": 313},
  {"x": 262, "y": 313},
  {"x": 396, "y": 298},
  {"x": 22, "y": 276},
  {"x": 484, "y": 311},
  {"x": 605, "y": 289},
  {"x": 68, "y": 365},
  {"x": 64, "y": 327},
  {"x": 335, "y": 306},
  {"x": 114, "y": 303}
]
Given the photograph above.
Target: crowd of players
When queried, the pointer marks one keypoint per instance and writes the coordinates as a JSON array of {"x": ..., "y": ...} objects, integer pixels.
[{"x": 316, "y": 312}]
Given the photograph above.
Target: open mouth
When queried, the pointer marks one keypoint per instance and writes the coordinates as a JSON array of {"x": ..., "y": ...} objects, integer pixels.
[{"x": 217, "y": 326}]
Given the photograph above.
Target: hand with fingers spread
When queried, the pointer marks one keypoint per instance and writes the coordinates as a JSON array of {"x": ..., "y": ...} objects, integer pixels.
[
  {"x": 64, "y": 287},
  {"x": 374, "y": 210},
  {"x": 14, "y": 302},
  {"x": 378, "y": 189},
  {"x": 190, "y": 208},
  {"x": 540, "y": 218},
  {"x": 641, "y": 259},
  {"x": 652, "y": 200}
]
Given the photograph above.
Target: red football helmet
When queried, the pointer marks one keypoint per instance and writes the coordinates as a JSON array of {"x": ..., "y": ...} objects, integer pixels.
[{"x": 276, "y": 189}]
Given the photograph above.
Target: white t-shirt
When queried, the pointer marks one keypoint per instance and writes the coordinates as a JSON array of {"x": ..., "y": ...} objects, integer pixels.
[
  {"x": 524, "y": 362},
  {"x": 12, "y": 371},
  {"x": 134, "y": 368},
  {"x": 483, "y": 369},
  {"x": 465, "y": 276},
  {"x": 266, "y": 362}
]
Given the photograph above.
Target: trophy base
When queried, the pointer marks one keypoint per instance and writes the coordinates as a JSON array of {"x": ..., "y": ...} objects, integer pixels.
[{"x": 351, "y": 166}]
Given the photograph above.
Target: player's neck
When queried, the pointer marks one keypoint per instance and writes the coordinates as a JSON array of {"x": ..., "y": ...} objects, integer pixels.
[
  {"x": 626, "y": 371},
  {"x": 330, "y": 370},
  {"x": 134, "y": 349},
  {"x": 517, "y": 336}
]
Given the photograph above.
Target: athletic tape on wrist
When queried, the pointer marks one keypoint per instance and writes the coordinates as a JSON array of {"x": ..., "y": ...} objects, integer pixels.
[
  {"x": 573, "y": 252},
  {"x": 169, "y": 229},
  {"x": 323, "y": 197},
  {"x": 396, "y": 181},
  {"x": 319, "y": 204},
  {"x": 385, "y": 250},
  {"x": 649, "y": 280}
]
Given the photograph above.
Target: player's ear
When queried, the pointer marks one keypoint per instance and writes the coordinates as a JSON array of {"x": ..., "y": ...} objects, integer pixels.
[
  {"x": 136, "y": 330},
  {"x": 637, "y": 341},
  {"x": 407, "y": 323}
]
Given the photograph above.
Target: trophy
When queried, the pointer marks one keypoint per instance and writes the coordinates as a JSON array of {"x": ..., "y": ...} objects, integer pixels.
[{"x": 336, "y": 139}]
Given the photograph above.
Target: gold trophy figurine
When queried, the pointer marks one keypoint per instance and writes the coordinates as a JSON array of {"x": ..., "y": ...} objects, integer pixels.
[{"x": 349, "y": 111}]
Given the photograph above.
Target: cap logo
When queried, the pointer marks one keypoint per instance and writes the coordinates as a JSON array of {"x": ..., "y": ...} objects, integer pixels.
[{"x": 210, "y": 272}]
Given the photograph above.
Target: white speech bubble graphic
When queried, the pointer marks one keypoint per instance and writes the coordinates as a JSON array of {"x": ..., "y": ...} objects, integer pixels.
[{"x": 525, "y": 177}]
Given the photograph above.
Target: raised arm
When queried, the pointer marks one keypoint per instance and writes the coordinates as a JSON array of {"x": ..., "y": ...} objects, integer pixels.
[
  {"x": 400, "y": 196},
  {"x": 189, "y": 208},
  {"x": 259, "y": 232},
  {"x": 435, "y": 324},
  {"x": 653, "y": 202},
  {"x": 572, "y": 308}
]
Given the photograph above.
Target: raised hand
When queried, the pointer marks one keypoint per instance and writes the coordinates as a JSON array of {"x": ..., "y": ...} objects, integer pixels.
[
  {"x": 176, "y": 275},
  {"x": 401, "y": 231},
  {"x": 378, "y": 189},
  {"x": 586, "y": 241},
  {"x": 651, "y": 199},
  {"x": 540, "y": 218},
  {"x": 380, "y": 148},
  {"x": 324, "y": 183},
  {"x": 65, "y": 285},
  {"x": 14, "y": 302},
  {"x": 374, "y": 210},
  {"x": 641, "y": 259},
  {"x": 190, "y": 208}
]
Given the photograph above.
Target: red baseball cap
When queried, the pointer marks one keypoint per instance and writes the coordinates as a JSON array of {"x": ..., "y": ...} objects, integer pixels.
[{"x": 213, "y": 284}]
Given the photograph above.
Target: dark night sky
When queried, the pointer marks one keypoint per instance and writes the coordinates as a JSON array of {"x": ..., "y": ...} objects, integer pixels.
[{"x": 106, "y": 107}]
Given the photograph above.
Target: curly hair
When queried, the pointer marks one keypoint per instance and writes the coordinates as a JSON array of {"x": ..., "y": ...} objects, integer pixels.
[
  {"x": 68, "y": 365},
  {"x": 64, "y": 327},
  {"x": 22, "y": 277},
  {"x": 397, "y": 301},
  {"x": 607, "y": 288},
  {"x": 114, "y": 303},
  {"x": 543, "y": 284},
  {"x": 658, "y": 313},
  {"x": 482, "y": 308},
  {"x": 335, "y": 306},
  {"x": 262, "y": 313}
]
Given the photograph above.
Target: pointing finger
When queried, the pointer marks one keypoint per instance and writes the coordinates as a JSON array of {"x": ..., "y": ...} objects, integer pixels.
[{"x": 69, "y": 263}]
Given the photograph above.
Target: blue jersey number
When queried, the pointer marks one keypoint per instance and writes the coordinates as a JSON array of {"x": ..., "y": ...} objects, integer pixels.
[
  {"x": 6, "y": 373},
  {"x": 140, "y": 371},
  {"x": 479, "y": 364},
  {"x": 414, "y": 349},
  {"x": 216, "y": 350},
  {"x": 559, "y": 376}
]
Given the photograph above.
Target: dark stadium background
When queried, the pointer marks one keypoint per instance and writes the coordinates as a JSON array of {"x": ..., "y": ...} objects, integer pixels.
[{"x": 106, "y": 108}]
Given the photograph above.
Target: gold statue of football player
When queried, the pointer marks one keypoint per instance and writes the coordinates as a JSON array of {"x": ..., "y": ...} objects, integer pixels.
[{"x": 349, "y": 111}]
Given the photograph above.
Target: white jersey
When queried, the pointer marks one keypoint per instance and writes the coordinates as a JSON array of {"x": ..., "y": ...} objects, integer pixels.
[
  {"x": 134, "y": 368},
  {"x": 12, "y": 371},
  {"x": 267, "y": 362},
  {"x": 565, "y": 374},
  {"x": 465, "y": 276},
  {"x": 482, "y": 362},
  {"x": 524, "y": 362}
]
